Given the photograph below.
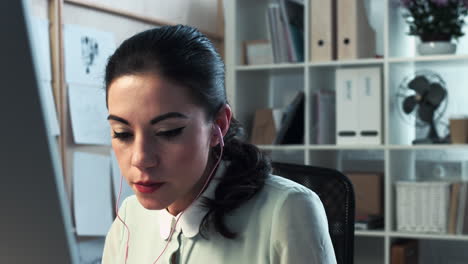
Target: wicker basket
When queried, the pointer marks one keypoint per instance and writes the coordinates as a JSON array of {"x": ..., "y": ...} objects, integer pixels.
[{"x": 422, "y": 206}]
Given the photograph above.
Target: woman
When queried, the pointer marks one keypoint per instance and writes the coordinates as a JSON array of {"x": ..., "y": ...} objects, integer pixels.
[{"x": 169, "y": 118}]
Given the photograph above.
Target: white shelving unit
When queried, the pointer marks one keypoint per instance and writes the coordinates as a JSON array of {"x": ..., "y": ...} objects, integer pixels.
[{"x": 261, "y": 86}]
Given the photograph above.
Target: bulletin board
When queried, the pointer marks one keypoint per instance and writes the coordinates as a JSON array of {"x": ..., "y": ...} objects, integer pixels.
[{"x": 122, "y": 18}]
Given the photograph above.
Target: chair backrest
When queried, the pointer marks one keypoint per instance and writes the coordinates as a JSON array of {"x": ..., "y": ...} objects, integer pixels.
[{"x": 337, "y": 195}]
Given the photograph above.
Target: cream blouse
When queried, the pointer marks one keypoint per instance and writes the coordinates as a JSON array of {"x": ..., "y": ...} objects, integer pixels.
[{"x": 284, "y": 223}]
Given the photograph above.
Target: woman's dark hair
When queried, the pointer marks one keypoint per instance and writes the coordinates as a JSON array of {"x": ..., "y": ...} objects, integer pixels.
[{"x": 183, "y": 55}]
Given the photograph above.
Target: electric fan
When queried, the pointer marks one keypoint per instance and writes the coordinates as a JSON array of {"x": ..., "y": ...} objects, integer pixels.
[{"x": 424, "y": 95}]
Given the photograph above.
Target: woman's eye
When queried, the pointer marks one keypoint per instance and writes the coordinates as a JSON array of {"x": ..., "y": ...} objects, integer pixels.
[
  {"x": 123, "y": 136},
  {"x": 170, "y": 133}
]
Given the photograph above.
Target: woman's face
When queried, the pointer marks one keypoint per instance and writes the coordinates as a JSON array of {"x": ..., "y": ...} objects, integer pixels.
[{"x": 161, "y": 140}]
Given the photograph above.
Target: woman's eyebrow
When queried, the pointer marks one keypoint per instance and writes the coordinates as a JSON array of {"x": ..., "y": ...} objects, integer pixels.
[
  {"x": 153, "y": 121},
  {"x": 166, "y": 116},
  {"x": 119, "y": 119}
]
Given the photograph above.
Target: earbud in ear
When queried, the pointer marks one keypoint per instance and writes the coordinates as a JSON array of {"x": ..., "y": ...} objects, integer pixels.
[{"x": 219, "y": 134}]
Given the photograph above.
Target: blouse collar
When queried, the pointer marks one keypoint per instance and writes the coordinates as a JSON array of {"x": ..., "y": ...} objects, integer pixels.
[{"x": 191, "y": 219}]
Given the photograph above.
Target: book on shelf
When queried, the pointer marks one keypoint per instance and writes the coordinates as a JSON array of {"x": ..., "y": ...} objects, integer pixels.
[
  {"x": 292, "y": 123},
  {"x": 462, "y": 203},
  {"x": 457, "y": 215},
  {"x": 273, "y": 35},
  {"x": 285, "y": 20},
  {"x": 294, "y": 13},
  {"x": 453, "y": 207},
  {"x": 323, "y": 117},
  {"x": 464, "y": 213}
]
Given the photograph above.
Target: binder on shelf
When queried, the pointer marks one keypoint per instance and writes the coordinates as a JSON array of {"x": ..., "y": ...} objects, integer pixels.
[
  {"x": 322, "y": 30},
  {"x": 346, "y": 107},
  {"x": 285, "y": 30},
  {"x": 355, "y": 37},
  {"x": 369, "y": 106}
]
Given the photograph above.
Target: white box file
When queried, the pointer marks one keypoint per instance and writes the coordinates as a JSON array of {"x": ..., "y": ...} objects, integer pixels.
[
  {"x": 358, "y": 106},
  {"x": 346, "y": 107}
]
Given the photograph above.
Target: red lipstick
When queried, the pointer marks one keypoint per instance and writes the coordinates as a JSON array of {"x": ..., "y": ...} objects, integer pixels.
[{"x": 148, "y": 187}]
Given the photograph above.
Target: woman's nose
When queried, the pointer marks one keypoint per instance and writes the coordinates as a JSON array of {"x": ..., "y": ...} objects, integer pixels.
[{"x": 144, "y": 154}]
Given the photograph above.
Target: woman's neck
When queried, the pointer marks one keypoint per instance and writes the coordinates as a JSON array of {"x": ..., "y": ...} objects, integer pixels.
[{"x": 183, "y": 203}]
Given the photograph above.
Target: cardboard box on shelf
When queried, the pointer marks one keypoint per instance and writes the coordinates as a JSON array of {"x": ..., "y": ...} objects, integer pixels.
[
  {"x": 459, "y": 130},
  {"x": 368, "y": 192},
  {"x": 264, "y": 127}
]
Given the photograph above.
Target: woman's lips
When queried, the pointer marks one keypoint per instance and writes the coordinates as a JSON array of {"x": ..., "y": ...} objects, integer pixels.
[{"x": 148, "y": 187}]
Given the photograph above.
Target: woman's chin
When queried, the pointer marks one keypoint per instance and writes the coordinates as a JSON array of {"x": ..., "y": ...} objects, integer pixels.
[{"x": 151, "y": 203}]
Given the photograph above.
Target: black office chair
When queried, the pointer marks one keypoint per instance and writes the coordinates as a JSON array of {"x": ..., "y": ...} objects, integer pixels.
[{"x": 337, "y": 195}]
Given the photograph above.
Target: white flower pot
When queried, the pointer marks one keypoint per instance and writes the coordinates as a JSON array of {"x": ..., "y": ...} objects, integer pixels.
[{"x": 437, "y": 48}]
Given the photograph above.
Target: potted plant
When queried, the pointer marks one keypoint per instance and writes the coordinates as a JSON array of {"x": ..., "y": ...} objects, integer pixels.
[{"x": 436, "y": 22}]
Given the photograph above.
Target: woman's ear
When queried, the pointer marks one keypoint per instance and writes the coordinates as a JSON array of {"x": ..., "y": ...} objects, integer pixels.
[{"x": 223, "y": 120}]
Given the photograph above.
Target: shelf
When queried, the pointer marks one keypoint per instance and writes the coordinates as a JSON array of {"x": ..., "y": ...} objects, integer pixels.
[
  {"x": 334, "y": 63},
  {"x": 322, "y": 147},
  {"x": 345, "y": 147},
  {"x": 358, "y": 62},
  {"x": 270, "y": 66},
  {"x": 366, "y": 147},
  {"x": 282, "y": 147},
  {"x": 381, "y": 233},
  {"x": 429, "y": 236},
  {"x": 436, "y": 58},
  {"x": 346, "y": 63},
  {"x": 428, "y": 147},
  {"x": 369, "y": 233}
]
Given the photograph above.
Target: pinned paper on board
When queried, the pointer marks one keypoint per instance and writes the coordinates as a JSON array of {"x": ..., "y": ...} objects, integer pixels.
[
  {"x": 86, "y": 53},
  {"x": 116, "y": 178},
  {"x": 89, "y": 115},
  {"x": 92, "y": 194},
  {"x": 89, "y": 52}
]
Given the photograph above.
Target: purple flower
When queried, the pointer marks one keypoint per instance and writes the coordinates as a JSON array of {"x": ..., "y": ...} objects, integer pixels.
[{"x": 440, "y": 2}]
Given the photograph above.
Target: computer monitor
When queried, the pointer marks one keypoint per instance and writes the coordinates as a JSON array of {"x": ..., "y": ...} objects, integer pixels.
[{"x": 35, "y": 217}]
